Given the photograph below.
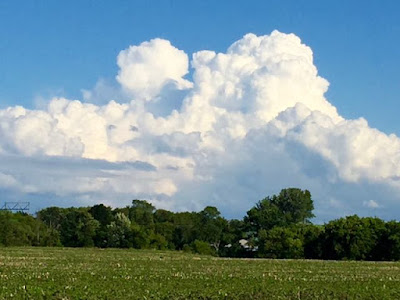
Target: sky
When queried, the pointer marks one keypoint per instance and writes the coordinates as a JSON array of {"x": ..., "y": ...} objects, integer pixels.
[{"x": 214, "y": 103}]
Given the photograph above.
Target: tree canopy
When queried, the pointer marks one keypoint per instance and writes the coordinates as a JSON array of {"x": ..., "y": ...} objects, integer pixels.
[
  {"x": 278, "y": 226},
  {"x": 290, "y": 206}
]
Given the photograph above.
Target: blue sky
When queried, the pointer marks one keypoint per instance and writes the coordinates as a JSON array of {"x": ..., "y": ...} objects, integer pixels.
[
  {"x": 248, "y": 122},
  {"x": 52, "y": 48}
]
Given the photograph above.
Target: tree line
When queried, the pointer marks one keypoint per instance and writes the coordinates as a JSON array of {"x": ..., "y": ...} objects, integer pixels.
[{"x": 276, "y": 227}]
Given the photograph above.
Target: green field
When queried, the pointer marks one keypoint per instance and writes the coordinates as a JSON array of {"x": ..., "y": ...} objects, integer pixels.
[{"x": 65, "y": 273}]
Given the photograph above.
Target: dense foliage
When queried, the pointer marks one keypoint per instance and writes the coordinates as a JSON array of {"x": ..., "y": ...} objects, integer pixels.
[{"x": 276, "y": 227}]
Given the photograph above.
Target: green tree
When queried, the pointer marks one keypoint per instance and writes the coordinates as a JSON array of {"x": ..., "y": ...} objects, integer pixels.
[
  {"x": 313, "y": 240},
  {"x": 141, "y": 237},
  {"x": 162, "y": 216},
  {"x": 141, "y": 212},
  {"x": 158, "y": 241},
  {"x": 265, "y": 215},
  {"x": 388, "y": 246},
  {"x": 52, "y": 216},
  {"x": 119, "y": 232},
  {"x": 202, "y": 247},
  {"x": 166, "y": 229},
  {"x": 211, "y": 227},
  {"x": 186, "y": 228},
  {"x": 103, "y": 214},
  {"x": 295, "y": 205},
  {"x": 231, "y": 235},
  {"x": 78, "y": 228},
  {"x": 291, "y": 206},
  {"x": 15, "y": 230},
  {"x": 353, "y": 238},
  {"x": 281, "y": 242},
  {"x": 20, "y": 229}
]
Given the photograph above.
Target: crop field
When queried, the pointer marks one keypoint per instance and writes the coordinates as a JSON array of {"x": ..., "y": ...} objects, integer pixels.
[{"x": 65, "y": 273}]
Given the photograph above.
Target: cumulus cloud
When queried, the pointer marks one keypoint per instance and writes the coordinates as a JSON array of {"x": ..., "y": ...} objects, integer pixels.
[
  {"x": 147, "y": 68},
  {"x": 252, "y": 121}
]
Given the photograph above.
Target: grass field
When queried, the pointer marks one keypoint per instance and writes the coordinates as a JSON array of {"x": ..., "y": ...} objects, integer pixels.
[{"x": 60, "y": 273}]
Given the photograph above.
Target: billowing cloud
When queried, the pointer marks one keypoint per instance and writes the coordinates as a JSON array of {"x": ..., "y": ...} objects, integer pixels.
[
  {"x": 147, "y": 68},
  {"x": 252, "y": 121}
]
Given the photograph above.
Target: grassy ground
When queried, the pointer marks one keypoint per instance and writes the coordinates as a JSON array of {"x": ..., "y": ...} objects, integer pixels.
[{"x": 57, "y": 273}]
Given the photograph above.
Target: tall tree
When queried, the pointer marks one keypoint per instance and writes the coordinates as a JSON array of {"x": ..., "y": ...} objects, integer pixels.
[
  {"x": 291, "y": 206},
  {"x": 52, "y": 216},
  {"x": 212, "y": 226},
  {"x": 141, "y": 212},
  {"x": 103, "y": 214},
  {"x": 295, "y": 205},
  {"x": 186, "y": 228},
  {"x": 78, "y": 228},
  {"x": 119, "y": 232}
]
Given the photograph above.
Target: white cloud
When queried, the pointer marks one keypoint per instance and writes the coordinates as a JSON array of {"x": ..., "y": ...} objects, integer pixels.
[
  {"x": 104, "y": 91},
  {"x": 147, "y": 68},
  {"x": 253, "y": 121},
  {"x": 371, "y": 204},
  {"x": 7, "y": 181}
]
